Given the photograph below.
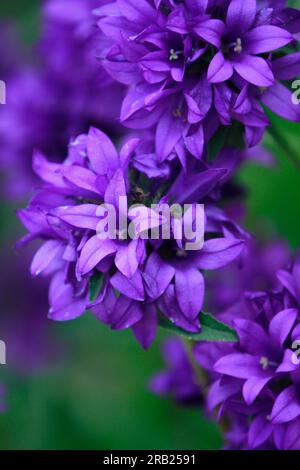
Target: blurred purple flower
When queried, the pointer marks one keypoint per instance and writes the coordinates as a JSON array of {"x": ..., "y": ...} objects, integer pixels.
[
  {"x": 254, "y": 271},
  {"x": 65, "y": 213},
  {"x": 178, "y": 380},
  {"x": 29, "y": 336},
  {"x": 57, "y": 93}
]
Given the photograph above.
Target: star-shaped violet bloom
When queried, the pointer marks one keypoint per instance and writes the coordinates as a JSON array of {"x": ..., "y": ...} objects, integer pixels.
[
  {"x": 183, "y": 298},
  {"x": 108, "y": 175},
  {"x": 279, "y": 97},
  {"x": 190, "y": 18},
  {"x": 154, "y": 50},
  {"x": 159, "y": 42},
  {"x": 170, "y": 279},
  {"x": 56, "y": 214},
  {"x": 177, "y": 289},
  {"x": 57, "y": 256},
  {"x": 122, "y": 312},
  {"x": 242, "y": 44},
  {"x": 261, "y": 356}
]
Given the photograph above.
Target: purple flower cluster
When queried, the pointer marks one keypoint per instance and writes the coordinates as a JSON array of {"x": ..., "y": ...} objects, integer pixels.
[
  {"x": 55, "y": 92},
  {"x": 195, "y": 77},
  {"x": 253, "y": 272},
  {"x": 147, "y": 275},
  {"x": 253, "y": 385},
  {"x": 193, "y": 66},
  {"x": 28, "y": 334},
  {"x": 256, "y": 381}
]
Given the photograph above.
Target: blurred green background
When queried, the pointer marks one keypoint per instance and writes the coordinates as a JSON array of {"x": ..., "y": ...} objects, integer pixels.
[{"x": 96, "y": 397}]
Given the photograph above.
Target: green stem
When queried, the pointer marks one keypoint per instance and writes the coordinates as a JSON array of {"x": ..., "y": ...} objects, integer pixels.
[
  {"x": 202, "y": 379},
  {"x": 200, "y": 375}
]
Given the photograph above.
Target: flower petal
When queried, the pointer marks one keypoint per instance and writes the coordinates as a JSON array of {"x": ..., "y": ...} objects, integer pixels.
[
  {"x": 81, "y": 178},
  {"x": 265, "y": 39},
  {"x": 125, "y": 314},
  {"x": 189, "y": 289},
  {"x": 252, "y": 388},
  {"x": 221, "y": 390},
  {"x": 281, "y": 325},
  {"x": 194, "y": 187},
  {"x": 168, "y": 132},
  {"x": 240, "y": 15},
  {"x": 137, "y": 10},
  {"x": 94, "y": 251},
  {"x": 286, "y": 406},
  {"x": 287, "y": 67},
  {"x": 157, "y": 276},
  {"x": 279, "y": 99},
  {"x": 81, "y": 216},
  {"x": 195, "y": 142},
  {"x": 259, "y": 431},
  {"x": 292, "y": 436},
  {"x": 219, "y": 69},
  {"x": 145, "y": 329},
  {"x": 102, "y": 153},
  {"x": 126, "y": 258},
  {"x": 254, "y": 70},
  {"x": 241, "y": 366},
  {"x": 132, "y": 288},
  {"x": 252, "y": 337},
  {"x": 49, "y": 251},
  {"x": 219, "y": 252},
  {"x": 210, "y": 30},
  {"x": 169, "y": 306}
]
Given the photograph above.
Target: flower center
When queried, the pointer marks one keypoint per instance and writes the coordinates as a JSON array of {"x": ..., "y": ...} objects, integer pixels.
[
  {"x": 173, "y": 55},
  {"x": 264, "y": 361},
  {"x": 238, "y": 46},
  {"x": 139, "y": 195},
  {"x": 181, "y": 253},
  {"x": 177, "y": 113}
]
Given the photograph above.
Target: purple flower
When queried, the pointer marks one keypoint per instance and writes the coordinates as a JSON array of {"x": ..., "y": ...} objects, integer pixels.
[
  {"x": 253, "y": 272},
  {"x": 55, "y": 99},
  {"x": 290, "y": 280},
  {"x": 9, "y": 41},
  {"x": 245, "y": 37},
  {"x": 147, "y": 274},
  {"x": 28, "y": 334},
  {"x": 255, "y": 383},
  {"x": 193, "y": 66},
  {"x": 197, "y": 74},
  {"x": 178, "y": 380}
]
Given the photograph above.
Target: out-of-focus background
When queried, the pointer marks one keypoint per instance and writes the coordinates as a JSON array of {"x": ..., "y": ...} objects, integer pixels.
[{"x": 77, "y": 385}]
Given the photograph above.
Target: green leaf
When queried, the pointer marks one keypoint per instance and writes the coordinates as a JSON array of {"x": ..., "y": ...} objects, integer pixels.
[
  {"x": 95, "y": 285},
  {"x": 211, "y": 330},
  {"x": 226, "y": 136},
  {"x": 117, "y": 293},
  {"x": 235, "y": 137},
  {"x": 217, "y": 142}
]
